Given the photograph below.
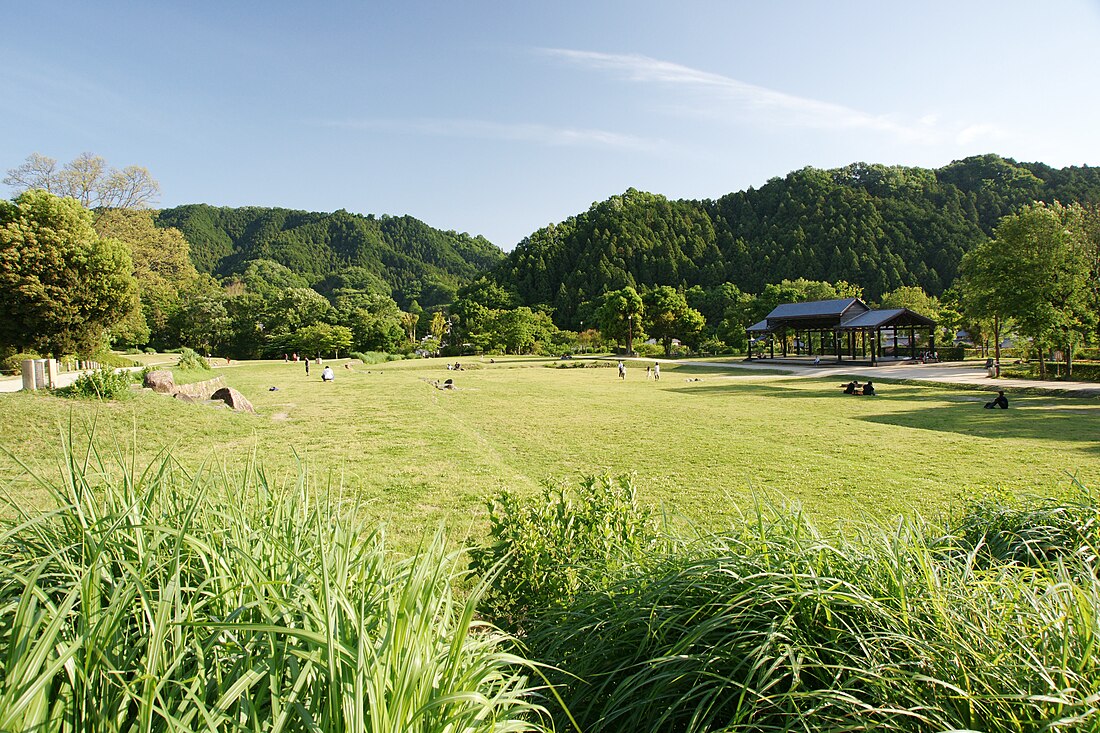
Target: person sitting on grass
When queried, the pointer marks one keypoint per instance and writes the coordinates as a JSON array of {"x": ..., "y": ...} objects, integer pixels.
[
  {"x": 327, "y": 374},
  {"x": 851, "y": 387},
  {"x": 999, "y": 401},
  {"x": 869, "y": 389}
]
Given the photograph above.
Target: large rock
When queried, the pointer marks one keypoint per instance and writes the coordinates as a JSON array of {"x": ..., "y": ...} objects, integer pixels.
[
  {"x": 234, "y": 399},
  {"x": 201, "y": 390},
  {"x": 161, "y": 381}
]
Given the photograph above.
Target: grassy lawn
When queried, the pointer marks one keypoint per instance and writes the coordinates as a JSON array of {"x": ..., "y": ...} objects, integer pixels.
[{"x": 700, "y": 441}]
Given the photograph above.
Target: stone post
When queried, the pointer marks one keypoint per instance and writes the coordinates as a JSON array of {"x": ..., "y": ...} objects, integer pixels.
[{"x": 28, "y": 375}]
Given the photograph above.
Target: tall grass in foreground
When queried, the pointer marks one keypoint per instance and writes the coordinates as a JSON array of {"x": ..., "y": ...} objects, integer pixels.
[
  {"x": 160, "y": 601},
  {"x": 777, "y": 627}
]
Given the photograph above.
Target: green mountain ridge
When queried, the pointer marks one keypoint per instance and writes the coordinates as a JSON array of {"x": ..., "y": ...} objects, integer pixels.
[
  {"x": 398, "y": 256},
  {"x": 876, "y": 226}
]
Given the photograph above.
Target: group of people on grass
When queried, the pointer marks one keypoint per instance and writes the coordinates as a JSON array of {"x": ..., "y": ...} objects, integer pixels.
[
  {"x": 651, "y": 372},
  {"x": 853, "y": 387},
  {"x": 868, "y": 388}
]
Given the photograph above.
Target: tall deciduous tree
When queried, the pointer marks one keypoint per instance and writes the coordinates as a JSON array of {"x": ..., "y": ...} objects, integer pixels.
[
  {"x": 620, "y": 317},
  {"x": 202, "y": 320},
  {"x": 162, "y": 267},
  {"x": 1036, "y": 271},
  {"x": 438, "y": 326},
  {"x": 668, "y": 316},
  {"x": 323, "y": 338},
  {"x": 61, "y": 284},
  {"x": 88, "y": 179}
]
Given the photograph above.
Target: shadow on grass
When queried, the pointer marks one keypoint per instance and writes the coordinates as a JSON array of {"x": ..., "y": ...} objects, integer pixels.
[
  {"x": 1020, "y": 421},
  {"x": 1048, "y": 418},
  {"x": 802, "y": 389}
]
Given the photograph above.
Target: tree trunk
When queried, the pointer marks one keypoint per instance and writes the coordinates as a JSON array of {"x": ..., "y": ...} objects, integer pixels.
[
  {"x": 1042, "y": 364},
  {"x": 997, "y": 343},
  {"x": 1069, "y": 360}
]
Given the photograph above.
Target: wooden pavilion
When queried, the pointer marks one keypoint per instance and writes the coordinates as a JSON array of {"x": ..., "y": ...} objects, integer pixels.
[{"x": 844, "y": 328}]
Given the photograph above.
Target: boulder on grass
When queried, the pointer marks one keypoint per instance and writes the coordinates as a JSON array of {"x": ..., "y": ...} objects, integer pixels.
[
  {"x": 234, "y": 399},
  {"x": 161, "y": 381}
]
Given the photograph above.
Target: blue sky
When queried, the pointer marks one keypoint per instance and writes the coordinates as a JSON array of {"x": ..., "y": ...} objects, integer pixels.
[{"x": 498, "y": 117}]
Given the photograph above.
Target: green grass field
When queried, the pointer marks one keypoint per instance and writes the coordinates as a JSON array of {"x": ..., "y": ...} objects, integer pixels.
[{"x": 419, "y": 456}]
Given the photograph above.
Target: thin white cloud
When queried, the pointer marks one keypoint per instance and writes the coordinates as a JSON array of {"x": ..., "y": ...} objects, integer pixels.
[
  {"x": 512, "y": 132},
  {"x": 773, "y": 106}
]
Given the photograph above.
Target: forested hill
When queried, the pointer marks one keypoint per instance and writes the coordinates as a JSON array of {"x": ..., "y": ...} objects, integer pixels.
[
  {"x": 394, "y": 255},
  {"x": 876, "y": 226}
]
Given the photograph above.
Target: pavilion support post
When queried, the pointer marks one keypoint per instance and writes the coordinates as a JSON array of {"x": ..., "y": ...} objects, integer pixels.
[
  {"x": 836, "y": 345},
  {"x": 912, "y": 343},
  {"x": 895, "y": 331}
]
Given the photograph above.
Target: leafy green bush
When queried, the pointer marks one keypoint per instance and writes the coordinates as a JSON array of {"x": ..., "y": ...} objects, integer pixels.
[
  {"x": 149, "y": 350},
  {"x": 376, "y": 357},
  {"x": 1083, "y": 371},
  {"x": 649, "y": 350},
  {"x": 13, "y": 364},
  {"x": 372, "y": 357},
  {"x": 107, "y": 359},
  {"x": 103, "y": 384},
  {"x": 548, "y": 548},
  {"x": 774, "y": 626},
  {"x": 183, "y": 602},
  {"x": 190, "y": 359},
  {"x": 1034, "y": 532}
]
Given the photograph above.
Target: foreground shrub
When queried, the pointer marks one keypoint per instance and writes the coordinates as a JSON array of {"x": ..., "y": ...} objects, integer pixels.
[
  {"x": 548, "y": 548},
  {"x": 190, "y": 359},
  {"x": 1035, "y": 533},
  {"x": 162, "y": 601},
  {"x": 774, "y": 626},
  {"x": 102, "y": 384}
]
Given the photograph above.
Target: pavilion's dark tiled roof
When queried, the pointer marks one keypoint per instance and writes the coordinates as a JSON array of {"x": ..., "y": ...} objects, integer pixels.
[
  {"x": 757, "y": 327},
  {"x": 877, "y": 319},
  {"x": 816, "y": 308}
]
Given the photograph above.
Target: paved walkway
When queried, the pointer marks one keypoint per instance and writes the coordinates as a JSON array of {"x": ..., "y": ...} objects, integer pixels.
[{"x": 971, "y": 373}]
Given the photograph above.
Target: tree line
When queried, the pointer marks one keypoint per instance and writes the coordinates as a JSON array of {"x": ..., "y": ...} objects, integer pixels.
[
  {"x": 882, "y": 227},
  {"x": 249, "y": 282}
]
